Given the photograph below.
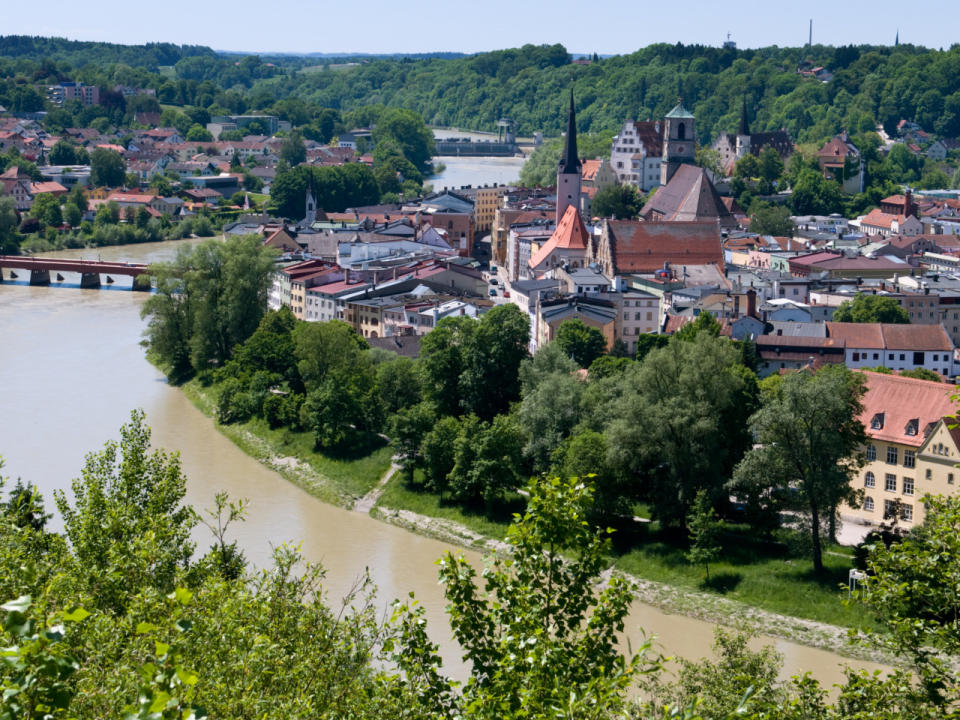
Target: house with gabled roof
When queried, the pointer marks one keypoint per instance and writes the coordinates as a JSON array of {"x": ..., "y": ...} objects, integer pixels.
[
  {"x": 627, "y": 247},
  {"x": 911, "y": 449},
  {"x": 566, "y": 246}
]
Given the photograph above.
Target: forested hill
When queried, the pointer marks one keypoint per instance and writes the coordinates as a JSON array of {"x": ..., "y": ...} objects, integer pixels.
[
  {"x": 79, "y": 53},
  {"x": 870, "y": 84}
]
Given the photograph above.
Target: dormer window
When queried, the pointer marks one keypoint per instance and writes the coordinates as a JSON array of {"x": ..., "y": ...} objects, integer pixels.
[
  {"x": 913, "y": 426},
  {"x": 877, "y": 422}
]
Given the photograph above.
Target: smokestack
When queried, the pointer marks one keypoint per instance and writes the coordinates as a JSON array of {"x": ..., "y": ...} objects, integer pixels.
[
  {"x": 810, "y": 41},
  {"x": 752, "y": 302}
]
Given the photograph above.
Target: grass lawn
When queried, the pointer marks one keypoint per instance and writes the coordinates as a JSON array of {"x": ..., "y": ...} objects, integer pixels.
[
  {"x": 399, "y": 496},
  {"x": 754, "y": 571},
  {"x": 751, "y": 570}
]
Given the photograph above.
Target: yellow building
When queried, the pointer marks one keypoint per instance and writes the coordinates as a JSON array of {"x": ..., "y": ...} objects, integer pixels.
[
  {"x": 488, "y": 200},
  {"x": 911, "y": 452}
]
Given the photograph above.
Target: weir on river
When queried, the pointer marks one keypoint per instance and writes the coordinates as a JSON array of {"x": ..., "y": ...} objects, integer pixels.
[{"x": 68, "y": 386}]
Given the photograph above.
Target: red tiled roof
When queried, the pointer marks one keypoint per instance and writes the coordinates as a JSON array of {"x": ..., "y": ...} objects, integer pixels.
[
  {"x": 638, "y": 246},
  {"x": 890, "y": 336},
  {"x": 901, "y": 400},
  {"x": 54, "y": 188},
  {"x": 571, "y": 234},
  {"x": 590, "y": 169}
]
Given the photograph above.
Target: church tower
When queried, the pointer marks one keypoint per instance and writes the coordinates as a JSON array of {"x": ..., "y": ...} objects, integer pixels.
[
  {"x": 570, "y": 169},
  {"x": 743, "y": 132},
  {"x": 679, "y": 142},
  {"x": 311, "y": 205}
]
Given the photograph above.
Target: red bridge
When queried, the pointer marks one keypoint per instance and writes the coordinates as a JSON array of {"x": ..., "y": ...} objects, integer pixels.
[{"x": 89, "y": 270}]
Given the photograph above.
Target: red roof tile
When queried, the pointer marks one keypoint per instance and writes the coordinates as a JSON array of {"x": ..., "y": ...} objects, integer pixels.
[{"x": 896, "y": 401}]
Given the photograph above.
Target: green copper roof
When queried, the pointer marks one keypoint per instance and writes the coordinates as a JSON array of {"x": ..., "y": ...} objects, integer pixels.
[{"x": 680, "y": 112}]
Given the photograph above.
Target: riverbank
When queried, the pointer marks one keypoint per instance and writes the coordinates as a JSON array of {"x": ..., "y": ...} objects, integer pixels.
[
  {"x": 338, "y": 481},
  {"x": 368, "y": 482}
]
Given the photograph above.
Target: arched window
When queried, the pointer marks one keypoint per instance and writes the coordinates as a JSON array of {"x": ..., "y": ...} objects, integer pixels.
[
  {"x": 681, "y": 132},
  {"x": 869, "y": 480}
]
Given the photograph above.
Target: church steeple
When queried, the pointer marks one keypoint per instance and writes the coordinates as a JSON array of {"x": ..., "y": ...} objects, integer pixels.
[
  {"x": 569, "y": 168},
  {"x": 570, "y": 161},
  {"x": 744, "y": 127}
]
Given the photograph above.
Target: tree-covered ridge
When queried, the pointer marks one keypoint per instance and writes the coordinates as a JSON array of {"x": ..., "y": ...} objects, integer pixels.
[
  {"x": 870, "y": 84},
  {"x": 80, "y": 52}
]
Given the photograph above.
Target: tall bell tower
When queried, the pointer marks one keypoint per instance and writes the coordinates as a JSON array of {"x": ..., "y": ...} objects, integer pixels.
[
  {"x": 570, "y": 169},
  {"x": 679, "y": 142}
]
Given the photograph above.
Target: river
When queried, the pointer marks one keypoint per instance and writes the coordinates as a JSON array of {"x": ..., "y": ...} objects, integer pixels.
[
  {"x": 475, "y": 171},
  {"x": 71, "y": 370}
]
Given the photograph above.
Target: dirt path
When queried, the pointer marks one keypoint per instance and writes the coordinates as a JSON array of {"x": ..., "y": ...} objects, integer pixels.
[{"x": 365, "y": 504}]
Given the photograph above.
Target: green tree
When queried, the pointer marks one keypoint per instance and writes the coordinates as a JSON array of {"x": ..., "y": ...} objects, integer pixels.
[
  {"x": 46, "y": 209},
  {"x": 488, "y": 460},
  {"x": 540, "y": 639},
  {"x": 491, "y": 378},
  {"x": 209, "y": 300},
  {"x": 444, "y": 352},
  {"x": 107, "y": 168},
  {"x": 9, "y": 222},
  {"x": 198, "y": 133},
  {"x": 66, "y": 153},
  {"x": 767, "y": 219},
  {"x": 324, "y": 348},
  {"x": 703, "y": 528},
  {"x": 911, "y": 593},
  {"x": 407, "y": 129},
  {"x": 128, "y": 527},
  {"x": 809, "y": 439},
  {"x": 769, "y": 169},
  {"x": 870, "y": 309},
  {"x": 815, "y": 195},
  {"x": 709, "y": 159},
  {"x": 581, "y": 343},
  {"x": 439, "y": 454},
  {"x": 409, "y": 428},
  {"x": 549, "y": 412},
  {"x": 679, "y": 424},
  {"x": 619, "y": 201},
  {"x": 293, "y": 150},
  {"x": 398, "y": 383}
]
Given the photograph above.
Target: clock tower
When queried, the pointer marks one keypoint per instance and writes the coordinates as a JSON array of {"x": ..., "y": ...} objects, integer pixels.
[{"x": 679, "y": 142}]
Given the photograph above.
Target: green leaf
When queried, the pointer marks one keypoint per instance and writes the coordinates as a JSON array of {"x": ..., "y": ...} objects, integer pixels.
[
  {"x": 144, "y": 627},
  {"x": 161, "y": 647},
  {"x": 181, "y": 595},
  {"x": 160, "y": 701},
  {"x": 187, "y": 677},
  {"x": 77, "y": 614}
]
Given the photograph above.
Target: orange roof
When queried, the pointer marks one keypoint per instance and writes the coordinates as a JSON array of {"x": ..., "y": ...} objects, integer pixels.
[
  {"x": 54, "y": 188},
  {"x": 571, "y": 234},
  {"x": 896, "y": 402},
  {"x": 878, "y": 218},
  {"x": 638, "y": 246},
  {"x": 590, "y": 169}
]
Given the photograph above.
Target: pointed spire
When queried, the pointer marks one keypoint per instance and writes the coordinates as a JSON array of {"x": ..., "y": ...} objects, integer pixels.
[
  {"x": 570, "y": 161},
  {"x": 744, "y": 127},
  {"x": 896, "y": 42}
]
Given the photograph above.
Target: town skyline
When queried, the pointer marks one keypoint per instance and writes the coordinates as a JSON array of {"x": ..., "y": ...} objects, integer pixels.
[{"x": 579, "y": 28}]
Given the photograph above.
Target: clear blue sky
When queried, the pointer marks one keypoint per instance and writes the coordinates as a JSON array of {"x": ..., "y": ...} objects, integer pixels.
[{"x": 379, "y": 26}]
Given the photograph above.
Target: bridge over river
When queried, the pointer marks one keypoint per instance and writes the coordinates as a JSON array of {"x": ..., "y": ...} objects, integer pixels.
[{"x": 89, "y": 270}]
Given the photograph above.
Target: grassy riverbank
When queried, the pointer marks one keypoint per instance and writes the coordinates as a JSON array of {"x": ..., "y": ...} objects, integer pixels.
[
  {"x": 339, "y": 480},
  {"x": 762, "y": 573},
  {"x": 760, "y": 582}
]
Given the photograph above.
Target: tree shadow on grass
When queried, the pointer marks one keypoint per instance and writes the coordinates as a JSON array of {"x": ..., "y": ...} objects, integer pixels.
[
  {"x": 722, "y": 582},
  {"x": 357, "y": 446}
]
